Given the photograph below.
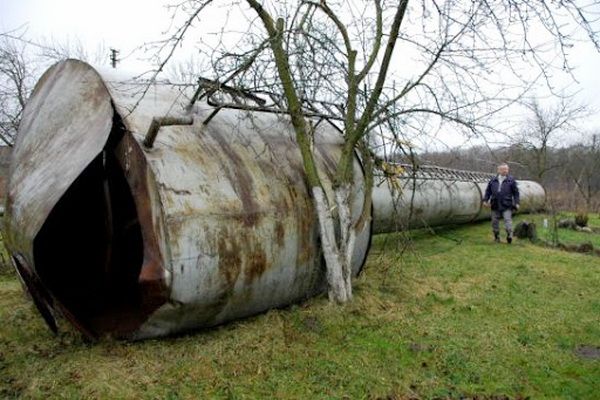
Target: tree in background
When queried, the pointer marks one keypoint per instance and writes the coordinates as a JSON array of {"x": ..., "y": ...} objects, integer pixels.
[
  {"x": 583, "y": 167},
  {"x": 546, "y": 127},
  {"x": 22, "y": 61},
  {"x": 16, "y": 82}
]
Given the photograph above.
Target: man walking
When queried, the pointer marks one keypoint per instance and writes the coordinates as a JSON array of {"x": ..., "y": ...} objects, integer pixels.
[{"x": 502, "y": 195}]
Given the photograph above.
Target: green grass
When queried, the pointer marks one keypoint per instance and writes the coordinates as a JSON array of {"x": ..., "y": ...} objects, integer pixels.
[{"x": 449, "y": 315}]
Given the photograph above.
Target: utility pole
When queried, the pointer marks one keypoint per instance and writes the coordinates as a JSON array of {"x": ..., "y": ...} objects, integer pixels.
[{"x": 113, "y": 57}]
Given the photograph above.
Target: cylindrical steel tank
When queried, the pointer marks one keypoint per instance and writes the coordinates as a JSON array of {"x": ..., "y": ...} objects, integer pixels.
[
  {"x": 434, "y": 196},
  {"x": 214, "y": 222},
  {"x": 210, "y": 223}
]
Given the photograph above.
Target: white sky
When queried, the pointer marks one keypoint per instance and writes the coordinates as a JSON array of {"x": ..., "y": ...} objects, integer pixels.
[
  {"x": 126, "y": 24},
  {"x": 123, "y": 24}
]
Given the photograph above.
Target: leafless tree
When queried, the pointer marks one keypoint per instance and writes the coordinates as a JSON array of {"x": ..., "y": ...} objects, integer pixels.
[
  {"x": 16, "y": 81},
  {"x": 419, "y": 63},
  {"x": 21, "y": 63},
  {"x": 546, "y": 127},
  {"x": 583, "y": 167}
]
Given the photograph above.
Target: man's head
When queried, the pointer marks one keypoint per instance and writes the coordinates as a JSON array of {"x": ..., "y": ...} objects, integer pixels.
[{"x": 503, "y": 169}]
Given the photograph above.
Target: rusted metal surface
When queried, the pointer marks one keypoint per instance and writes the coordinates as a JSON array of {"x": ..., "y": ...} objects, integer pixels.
[
  {"x": 210, "y": 223},
  {"x": 222, "y": 210},
  {"x": 434, "y": 196}
]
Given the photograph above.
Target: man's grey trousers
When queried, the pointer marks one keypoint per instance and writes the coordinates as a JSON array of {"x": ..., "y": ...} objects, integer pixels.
[{"x": 507, "y": 216}]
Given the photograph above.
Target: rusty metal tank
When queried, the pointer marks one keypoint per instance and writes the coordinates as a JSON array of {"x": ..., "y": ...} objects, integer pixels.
[
  {"x": 213, "y": 222},
  {"x": 135, "y": 215},
  {"x": 433, "y": 196}
]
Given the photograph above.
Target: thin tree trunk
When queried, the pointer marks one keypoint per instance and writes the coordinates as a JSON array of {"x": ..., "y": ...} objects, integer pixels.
[
  {"x": 347, "y": 234},
  {"x": 334, "y": 260},
  {"x": 338, "y": 257}
]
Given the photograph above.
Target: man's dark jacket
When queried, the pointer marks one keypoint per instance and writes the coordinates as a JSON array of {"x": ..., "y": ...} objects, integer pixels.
[{"x": 505, "y": 199}]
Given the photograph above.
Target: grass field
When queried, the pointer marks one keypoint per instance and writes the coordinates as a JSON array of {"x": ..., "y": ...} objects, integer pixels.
[{"x": 446, "y": 315}]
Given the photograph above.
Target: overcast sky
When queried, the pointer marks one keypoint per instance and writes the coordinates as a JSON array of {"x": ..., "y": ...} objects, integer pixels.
[{"x": 125, "y": 24}]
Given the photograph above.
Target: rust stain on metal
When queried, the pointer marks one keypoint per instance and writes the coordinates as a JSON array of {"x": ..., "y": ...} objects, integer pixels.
[
  {"x": 238, "y": 174},
  {"x": 279, "y": 233},
  {"x": 327, "y": 158},
  {"x": 305, "y": 232},
  {"x": 230, "y": 262},
  {"x": 257, "y": 265}
]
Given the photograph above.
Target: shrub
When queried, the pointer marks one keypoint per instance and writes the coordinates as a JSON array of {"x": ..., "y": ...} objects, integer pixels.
[
  {"x": 581, "y": 219},
  {"x": 526, "y": 230}
]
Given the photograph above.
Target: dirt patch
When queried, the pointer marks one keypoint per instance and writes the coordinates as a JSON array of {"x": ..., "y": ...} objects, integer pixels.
[
  {"x": 588, "y": 352},
  {"x": 583, "y": 248},
  {"x": 419, "y": 348},
  {"x": 312, "y": 324},
  {"x": 586, "y": 247}
]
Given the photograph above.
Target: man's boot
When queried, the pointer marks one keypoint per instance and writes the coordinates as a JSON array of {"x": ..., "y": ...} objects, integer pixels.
[{"x": 497, "y": 237}]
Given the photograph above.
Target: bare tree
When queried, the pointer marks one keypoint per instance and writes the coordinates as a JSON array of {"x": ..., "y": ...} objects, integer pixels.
[
  {"x": 420, "y": 64},
  {"x": 583, "y": 167},
  {"x": 16, "y": 80},
  {"x": 546, "y": 127},
  {"x": 21, "y": 63}
]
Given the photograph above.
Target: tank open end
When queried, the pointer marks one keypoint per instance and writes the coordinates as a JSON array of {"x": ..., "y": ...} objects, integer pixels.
[
  {"x": 71, "y": 223},
  {"x": 89, "y": 251}
]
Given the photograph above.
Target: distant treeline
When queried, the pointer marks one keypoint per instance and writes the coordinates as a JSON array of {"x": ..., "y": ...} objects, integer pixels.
[{"x": 571, "y": 175}]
